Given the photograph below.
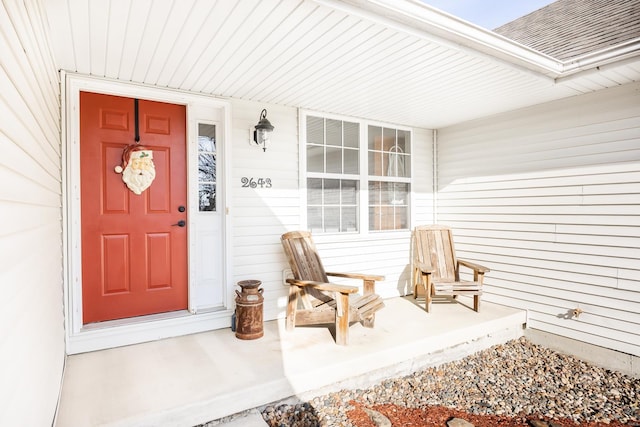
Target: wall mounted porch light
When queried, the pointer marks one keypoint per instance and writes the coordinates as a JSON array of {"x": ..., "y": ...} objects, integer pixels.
[{"x": 262, "y": 134}]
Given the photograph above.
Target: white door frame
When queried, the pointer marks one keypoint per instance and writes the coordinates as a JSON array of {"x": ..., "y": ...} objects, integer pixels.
[{"x": 116, "y": 333}]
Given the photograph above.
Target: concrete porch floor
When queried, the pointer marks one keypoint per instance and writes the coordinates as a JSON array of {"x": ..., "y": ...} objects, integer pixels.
[{"x": 193, "y": 379}]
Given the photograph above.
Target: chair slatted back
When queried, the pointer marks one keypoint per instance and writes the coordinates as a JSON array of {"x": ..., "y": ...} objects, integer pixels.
[
  {"x": 303, "y": 257},
  {"x": 434, "y": 245}
]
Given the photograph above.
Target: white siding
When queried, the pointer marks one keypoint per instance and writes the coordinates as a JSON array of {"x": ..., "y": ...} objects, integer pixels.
[
  {"x": 31, "y": 307},
  {"x": 549, "y": 198},
  {"x": 259, "y": 216}
]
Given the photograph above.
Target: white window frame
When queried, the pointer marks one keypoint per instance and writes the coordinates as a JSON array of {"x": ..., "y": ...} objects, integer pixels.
[{"x": 363, "y": 194}]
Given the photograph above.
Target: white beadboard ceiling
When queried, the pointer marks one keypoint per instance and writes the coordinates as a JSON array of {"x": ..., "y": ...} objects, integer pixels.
[{"x": 397, "y": 61}]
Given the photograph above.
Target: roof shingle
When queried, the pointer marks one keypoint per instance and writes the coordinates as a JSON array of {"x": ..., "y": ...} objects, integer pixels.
[{"x": 566, "y": 29}]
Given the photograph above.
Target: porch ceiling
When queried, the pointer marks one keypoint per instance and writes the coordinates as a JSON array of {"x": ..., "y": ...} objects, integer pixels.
[{"x": 389, "y": 60}]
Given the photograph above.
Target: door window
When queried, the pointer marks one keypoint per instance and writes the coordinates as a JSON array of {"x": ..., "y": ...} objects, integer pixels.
[{"x": 207, "y": 157}]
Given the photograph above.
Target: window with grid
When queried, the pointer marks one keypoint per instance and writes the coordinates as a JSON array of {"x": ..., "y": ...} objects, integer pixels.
[
  {"x": 342, "y": 158},
  {"x": 333, "y": 182},
  {"x": 389, "y": 178}
]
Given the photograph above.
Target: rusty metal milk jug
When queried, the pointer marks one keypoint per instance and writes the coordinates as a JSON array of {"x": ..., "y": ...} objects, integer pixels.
[{"x": 249, "y": 310}]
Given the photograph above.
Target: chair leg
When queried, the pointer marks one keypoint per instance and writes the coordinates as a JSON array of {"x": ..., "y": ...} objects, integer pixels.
[
  {"x": 427, "y": 293},
  {"x": 476, "y": 303},
  {"x": 342, "y": 319},
  {"x": 292, "y": 305},
  {"x": 368, "y": 288}
]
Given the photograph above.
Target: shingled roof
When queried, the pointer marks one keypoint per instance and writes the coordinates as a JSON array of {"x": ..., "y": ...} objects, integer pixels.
[{"x": 566, "y": 29}]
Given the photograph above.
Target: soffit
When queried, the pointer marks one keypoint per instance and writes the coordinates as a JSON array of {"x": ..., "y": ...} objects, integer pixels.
[{"x": 348, "y": 58}]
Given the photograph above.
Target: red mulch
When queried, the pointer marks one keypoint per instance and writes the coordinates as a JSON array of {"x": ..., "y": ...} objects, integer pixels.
[{"x": 439, "y": 415}]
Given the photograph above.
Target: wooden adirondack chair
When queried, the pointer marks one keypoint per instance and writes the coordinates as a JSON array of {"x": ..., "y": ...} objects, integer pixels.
[
  {"x": 314, "y": 300},
  {"x": 437, "y": 270}
]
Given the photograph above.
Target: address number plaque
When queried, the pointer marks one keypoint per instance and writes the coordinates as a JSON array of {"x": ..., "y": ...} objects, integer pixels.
[{"x": 256, "y": 182}]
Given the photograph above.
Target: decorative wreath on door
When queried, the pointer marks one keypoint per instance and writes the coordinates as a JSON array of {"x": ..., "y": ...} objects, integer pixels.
[{"x": 137, "y": 168}]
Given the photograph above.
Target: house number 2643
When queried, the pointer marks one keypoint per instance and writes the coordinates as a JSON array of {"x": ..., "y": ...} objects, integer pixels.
[{"x": 255, "y": 182}]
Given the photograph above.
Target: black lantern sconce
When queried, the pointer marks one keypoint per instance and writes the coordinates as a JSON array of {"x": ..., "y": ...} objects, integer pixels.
[{"x": 262, "y": 134}]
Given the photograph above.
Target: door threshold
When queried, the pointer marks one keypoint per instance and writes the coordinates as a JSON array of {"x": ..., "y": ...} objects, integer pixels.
[
  {"x": 136, "y": 330},
  {"x": 135, "y": 320}
]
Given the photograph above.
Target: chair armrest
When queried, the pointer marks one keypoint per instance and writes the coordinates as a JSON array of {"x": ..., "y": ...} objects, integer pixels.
[
  {"x": 373, "y": 277},
  {"x": 475, "y": 267},
  {"x": 424, "y": 267},
  {"x": 331, "y": 287}
]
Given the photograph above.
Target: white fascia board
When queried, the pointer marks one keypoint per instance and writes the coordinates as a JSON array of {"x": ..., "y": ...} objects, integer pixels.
[{"x": 623, "y": 52}]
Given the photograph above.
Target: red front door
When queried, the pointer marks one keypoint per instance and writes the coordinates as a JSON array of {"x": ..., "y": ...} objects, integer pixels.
[{"x": 134, "y": 255}]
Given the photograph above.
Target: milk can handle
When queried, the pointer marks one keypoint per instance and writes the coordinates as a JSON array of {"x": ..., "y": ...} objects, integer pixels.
[
  {"x": 238, "y": 293},
  {"x": 260, "y": 291}
]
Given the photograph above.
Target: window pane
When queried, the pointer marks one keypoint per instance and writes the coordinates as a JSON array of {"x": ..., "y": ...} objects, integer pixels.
[
  {"x": 334, "y": 132},
  {"x": 396, "y": 162},
  {"x": 401, "y": 218},
  {"x": 206, "y": 137},
  {"x": 206, "y": 143},
  {"x": 388, "y": 206},
  {"x": 349, "y": 192},
  {"x": 407, "y": 166},
  {"x": 375, "y": 138},
  {"x": 334, "y": 160},
  {"x": 404, "y": 141},
  {"x": 331, "y": 192},
  {"x": 351, "y": 134},
  {"x": 374, "y": 193},
  {"x": 386, "y": 193},
  {"x": 315, "y": 158},
  {"x": 206, "y": 167},
  {"x": 331, "y": 219},
  {"x": 314, "y": 191},
  {"x": 351, "y": 161},
  {"x": 315, "y": 130},
  {"x": 389, "y": 137},
  {"x": 400, "y": 192},
  {"x": 207, "y": 197},
  {"x": 314, "y": 218},
  {"x": 349, "y": 219},
  {"x": 374, "y": 218},
  {"x": 376, "y": 163}
]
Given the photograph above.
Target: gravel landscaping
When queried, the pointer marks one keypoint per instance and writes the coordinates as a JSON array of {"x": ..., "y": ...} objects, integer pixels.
[{"x": 513, "y": 384}]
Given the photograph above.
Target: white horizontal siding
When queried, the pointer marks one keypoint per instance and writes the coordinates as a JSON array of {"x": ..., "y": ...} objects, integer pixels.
[
  {"x": 422, "y": 172},
  {"x": 31, "y": 309},
  {"x": 259, "y": 216},
  {"x": 549, "y": 198}
]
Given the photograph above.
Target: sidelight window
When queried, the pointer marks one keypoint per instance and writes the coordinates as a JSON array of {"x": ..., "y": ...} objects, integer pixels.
[{"x": 207, "y": 167}]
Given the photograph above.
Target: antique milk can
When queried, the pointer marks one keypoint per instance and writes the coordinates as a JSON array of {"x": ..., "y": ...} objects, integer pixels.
[{"x": 249, "y": 310}]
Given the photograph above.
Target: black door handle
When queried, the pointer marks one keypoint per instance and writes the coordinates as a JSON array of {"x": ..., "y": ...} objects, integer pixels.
[{"x": 180, "y": 223}]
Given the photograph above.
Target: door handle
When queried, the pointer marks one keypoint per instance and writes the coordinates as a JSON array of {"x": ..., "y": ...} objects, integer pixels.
[{"x": 180, "y": 223}]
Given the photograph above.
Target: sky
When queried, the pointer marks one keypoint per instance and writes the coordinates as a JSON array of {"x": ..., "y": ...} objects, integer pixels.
[{"x": 488, "y": 14}]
